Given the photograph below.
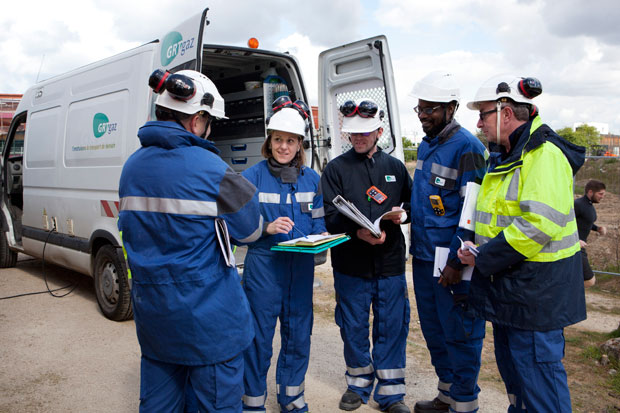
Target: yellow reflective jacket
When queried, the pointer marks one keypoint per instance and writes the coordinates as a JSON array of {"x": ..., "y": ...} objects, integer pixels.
[{"x": 528, "y": 272}]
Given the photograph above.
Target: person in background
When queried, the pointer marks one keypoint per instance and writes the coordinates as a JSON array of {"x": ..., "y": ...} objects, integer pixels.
[
  {"x": 369, "y": 271},
  {"x": 527, "y": 279},
  {"x": 448, "y": 158},
  {"x": 192, "y": 318},
  {"x": 279, "y": 284},
  {"x": 586, "y": 216}
]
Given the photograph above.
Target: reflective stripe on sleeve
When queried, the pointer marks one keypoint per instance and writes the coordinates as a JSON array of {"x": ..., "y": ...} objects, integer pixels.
[
  {"x": 566, "y": 242},
  {"x": 318, "y": 213},
  {"x": 305, "y": 196},
  {"x": 513, "y": 189},
  {"x": 256, "y": 234},
  {"x": 444, "y": 171},
  {"x": 548, "y": 212},
  {"x": 419, "y": 165},
  {"x": 531, "y": 231},
  {"x": 169, "y": 206},
  {"x": 484, "y": 217}
]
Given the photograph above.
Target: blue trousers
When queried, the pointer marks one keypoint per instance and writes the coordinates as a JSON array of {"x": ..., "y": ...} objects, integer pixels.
[
  {"x": 278, "y": 286},
  {"x": 216, "y": 387},
  {"x": 390, "y": 306},
  {"x": 454, "y": 339},
  {"x": 530, "y": 363}
]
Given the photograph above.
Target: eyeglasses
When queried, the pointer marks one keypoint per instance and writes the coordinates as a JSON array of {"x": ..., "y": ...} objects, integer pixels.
[
  {"x": 366, "y": 109},
  {"x": 429, "y": 111},
  {"x": 285, "y": 101},
  {"x": 179, "y": 86},
  {"x": 482, "y": 115}
]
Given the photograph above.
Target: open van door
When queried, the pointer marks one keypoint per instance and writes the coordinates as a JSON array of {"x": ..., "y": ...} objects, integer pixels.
[
  {"x": 362, "y": 69},
  {"x": 181, "y": 48}
]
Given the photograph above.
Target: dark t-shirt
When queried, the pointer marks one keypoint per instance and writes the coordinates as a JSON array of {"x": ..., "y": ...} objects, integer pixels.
[{"x": 585, "y": 215}]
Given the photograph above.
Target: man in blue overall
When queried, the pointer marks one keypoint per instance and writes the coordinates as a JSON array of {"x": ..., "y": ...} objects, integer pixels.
[
  {"x": 192, "y": 317},
  {"x": 448, "y": 158},
  {"x": 368, "y": 270}
]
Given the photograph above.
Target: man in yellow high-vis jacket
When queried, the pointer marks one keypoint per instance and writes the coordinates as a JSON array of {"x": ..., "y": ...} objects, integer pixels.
[{"x": 528, "y": 279}]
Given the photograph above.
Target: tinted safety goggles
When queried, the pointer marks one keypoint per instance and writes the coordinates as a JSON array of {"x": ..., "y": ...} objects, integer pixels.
[
  {"x": 179, "y": 86},
  {"x": 366, "y": 109},
  {"x": 285, "y": 102}
]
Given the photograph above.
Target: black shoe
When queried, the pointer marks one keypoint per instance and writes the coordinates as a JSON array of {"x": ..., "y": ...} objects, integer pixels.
[
  {"x": 398, "y": 407},
  {"x": 350, "y": 401},
  {"x": 431, "y": 406}
]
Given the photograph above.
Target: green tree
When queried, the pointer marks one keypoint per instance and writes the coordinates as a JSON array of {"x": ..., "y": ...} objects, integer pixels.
[
  {"x": 409, "y": 149},
  {"x": 584, "y": 135},
  {"x": 482, "y": 138}
]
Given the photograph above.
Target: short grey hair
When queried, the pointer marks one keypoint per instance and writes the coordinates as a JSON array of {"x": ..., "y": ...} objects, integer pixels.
[{"x": 521, "y": 110}]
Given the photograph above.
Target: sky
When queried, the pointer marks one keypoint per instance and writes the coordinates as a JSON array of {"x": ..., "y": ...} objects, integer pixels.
[{"x": 571, "y": 46}]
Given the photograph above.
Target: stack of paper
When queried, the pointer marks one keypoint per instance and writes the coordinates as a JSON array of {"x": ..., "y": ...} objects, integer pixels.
[
  {"x": 311, "y": 244},
  {"x": 468, "y": 213},
  {"x": 348, "y": 209}
]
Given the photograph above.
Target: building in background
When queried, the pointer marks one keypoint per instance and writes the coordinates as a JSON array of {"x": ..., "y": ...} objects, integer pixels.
[{"x": 8, "y": 105}]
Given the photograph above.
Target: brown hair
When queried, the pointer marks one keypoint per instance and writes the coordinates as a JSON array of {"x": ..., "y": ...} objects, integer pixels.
[
  {"x": 300, "y": 156},
  {"x": 594, "y": 185}
]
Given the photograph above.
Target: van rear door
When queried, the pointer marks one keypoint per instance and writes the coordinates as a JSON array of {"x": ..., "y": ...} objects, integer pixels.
[
  {"x": 362, "y": 69},
  {"x": 181, "y": 48}
]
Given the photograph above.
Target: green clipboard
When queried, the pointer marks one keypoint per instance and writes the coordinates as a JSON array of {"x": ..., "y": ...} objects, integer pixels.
[{"x": 311, "y": 250}]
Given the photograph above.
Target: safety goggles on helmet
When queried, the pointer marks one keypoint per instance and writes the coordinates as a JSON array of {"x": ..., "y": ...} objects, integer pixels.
[
  {"x": 285, "y": 101},
  {"x": 179, "y": 86},
  {"x": 366, "y": 109}
]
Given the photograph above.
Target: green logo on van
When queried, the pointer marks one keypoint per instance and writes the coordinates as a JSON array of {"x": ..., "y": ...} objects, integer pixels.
[
  {"x": 174, "y": 45},
  {"x": 101, "y": 125}
]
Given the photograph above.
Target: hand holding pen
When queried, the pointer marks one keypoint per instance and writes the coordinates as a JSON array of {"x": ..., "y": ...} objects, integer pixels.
[{"x": 281, "y": 225}]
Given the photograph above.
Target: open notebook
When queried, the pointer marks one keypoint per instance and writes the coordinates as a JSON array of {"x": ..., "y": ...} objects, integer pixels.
[{"x": 348, "y": 209}]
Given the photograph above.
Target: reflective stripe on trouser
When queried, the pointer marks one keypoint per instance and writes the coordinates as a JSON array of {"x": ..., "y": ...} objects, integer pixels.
[
  {"x": 530, "y": 363},
  {"x": 454, "y": 340},
  {"x": 390, "y": 304},
  {"x": 216, "y": 387},
  {"x": 278, "y": 285}
]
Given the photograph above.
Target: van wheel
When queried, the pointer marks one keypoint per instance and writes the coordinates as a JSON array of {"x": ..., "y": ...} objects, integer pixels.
[
  {"x": 112, "y": 285},
  {"x": 8, "y": 258}
]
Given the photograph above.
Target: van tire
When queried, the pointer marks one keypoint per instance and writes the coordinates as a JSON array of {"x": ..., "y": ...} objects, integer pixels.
[
  {"x": 111, "y": 285},
  {"x": 8, "y": 258}
]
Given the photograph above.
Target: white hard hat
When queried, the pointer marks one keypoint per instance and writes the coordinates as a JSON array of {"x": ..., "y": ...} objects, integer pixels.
[
  {"x": 187, "y": 91},
  {"x": 518, "y": 89},
  {"x": 437, "y": 86},
  {"x": 355, "y": 123},
  {"x": 288, "y": 120}
]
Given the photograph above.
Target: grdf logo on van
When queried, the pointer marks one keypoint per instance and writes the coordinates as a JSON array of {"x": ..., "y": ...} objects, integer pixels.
[
  {"x": 174, "y": 45},
  {"x": 101, "y": 125}
]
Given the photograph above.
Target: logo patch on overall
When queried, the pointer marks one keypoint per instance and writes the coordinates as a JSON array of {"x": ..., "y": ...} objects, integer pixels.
[
  {"x": 390, "y": 178},
  {"x": 440, "y": 181},
  {"x": 310, "y": 207}
]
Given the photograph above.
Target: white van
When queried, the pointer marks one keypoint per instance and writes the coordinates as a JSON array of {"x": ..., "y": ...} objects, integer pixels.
[{"x": 60, "y": 198}]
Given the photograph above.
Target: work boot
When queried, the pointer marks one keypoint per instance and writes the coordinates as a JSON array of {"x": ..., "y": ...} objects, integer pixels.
[
  {"x": 431, "y": 406},
  {"x": 350, "y": 400},
  {"x": 398, "y": 407}
]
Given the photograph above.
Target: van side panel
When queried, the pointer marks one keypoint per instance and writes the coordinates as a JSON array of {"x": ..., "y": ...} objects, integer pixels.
[{"x": 76, "y": 145}]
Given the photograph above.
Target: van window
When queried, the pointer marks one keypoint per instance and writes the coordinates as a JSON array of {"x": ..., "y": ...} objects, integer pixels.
[{"x": 41, "y": 141}]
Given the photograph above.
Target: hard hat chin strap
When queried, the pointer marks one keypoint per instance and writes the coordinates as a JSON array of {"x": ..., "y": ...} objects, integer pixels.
[{"x": 498, "y": 105}]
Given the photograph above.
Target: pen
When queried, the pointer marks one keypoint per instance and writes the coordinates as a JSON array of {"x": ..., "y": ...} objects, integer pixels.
[{"x": 298, "y": 230}]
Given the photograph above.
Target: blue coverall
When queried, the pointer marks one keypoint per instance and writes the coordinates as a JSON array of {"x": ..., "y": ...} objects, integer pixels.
[
  {"x": 279, "y": 286},
  {"x": 445, "y": 164},
  {"x": 192, "y": 318}
]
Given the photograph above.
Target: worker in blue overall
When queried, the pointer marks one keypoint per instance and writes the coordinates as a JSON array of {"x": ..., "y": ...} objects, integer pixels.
[
  {"x": 528, "y": 278},
  {"x": 369, "y": 271},
  {"x": 448, "y": 158},
  {"x": 192, "y": 318},
  {"x": 279, "y": 284}
]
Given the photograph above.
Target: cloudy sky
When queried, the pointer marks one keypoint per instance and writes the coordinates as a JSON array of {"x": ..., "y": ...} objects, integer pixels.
[{"x": 572, "y": 46}]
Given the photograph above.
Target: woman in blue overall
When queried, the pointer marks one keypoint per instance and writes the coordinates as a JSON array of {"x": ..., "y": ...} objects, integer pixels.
[{"x": 279, "y": 284}]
